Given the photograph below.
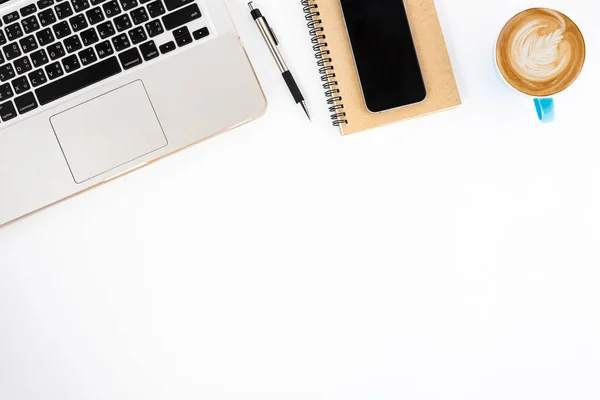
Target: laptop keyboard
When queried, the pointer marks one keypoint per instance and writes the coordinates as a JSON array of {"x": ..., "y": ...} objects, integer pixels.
[{"x": 52, "y": 48}]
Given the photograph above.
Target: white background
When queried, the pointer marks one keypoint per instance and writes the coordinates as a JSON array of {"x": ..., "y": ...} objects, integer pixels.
[{"x": 450, "y": 257}]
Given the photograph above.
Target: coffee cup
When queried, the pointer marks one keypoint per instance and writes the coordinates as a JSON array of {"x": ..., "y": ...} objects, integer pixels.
[{"x": 540, "y": 52}]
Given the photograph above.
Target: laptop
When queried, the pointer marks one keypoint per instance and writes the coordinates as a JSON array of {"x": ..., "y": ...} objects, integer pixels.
[{"x": 91, "y": 89}]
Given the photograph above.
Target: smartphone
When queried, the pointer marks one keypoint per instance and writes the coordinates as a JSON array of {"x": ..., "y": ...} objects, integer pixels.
[{"x": 384, "y": 53}]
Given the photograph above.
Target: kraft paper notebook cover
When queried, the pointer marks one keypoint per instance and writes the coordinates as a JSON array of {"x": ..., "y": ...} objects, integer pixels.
[{"x": 340, "y": 77}]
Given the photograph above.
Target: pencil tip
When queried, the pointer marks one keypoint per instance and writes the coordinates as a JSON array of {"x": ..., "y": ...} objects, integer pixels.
[{"x": 305, "y": 108}]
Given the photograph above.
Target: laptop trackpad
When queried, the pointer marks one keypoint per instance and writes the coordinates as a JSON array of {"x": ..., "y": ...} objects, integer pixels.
[{"x": 108, "y": 131}]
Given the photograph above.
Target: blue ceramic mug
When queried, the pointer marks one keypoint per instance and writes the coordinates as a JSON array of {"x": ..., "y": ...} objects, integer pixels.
[{"x": 540, "y": 52}]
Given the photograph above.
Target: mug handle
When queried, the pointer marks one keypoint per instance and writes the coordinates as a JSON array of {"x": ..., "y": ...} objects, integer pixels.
[{"x": 545, "y": 109}]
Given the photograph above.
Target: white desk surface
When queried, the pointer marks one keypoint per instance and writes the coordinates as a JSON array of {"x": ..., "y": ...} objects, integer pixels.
[{"x": 452, "y": 257}]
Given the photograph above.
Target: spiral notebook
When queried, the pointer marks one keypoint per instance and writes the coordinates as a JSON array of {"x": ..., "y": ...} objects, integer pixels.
[{"x": 340, "y": 78}]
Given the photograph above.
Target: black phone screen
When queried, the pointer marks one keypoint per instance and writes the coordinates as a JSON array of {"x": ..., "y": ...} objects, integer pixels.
[{"x": 384, "y": 53}]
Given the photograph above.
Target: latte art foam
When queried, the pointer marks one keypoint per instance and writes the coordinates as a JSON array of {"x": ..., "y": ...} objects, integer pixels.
[
  {"x": 540, "y": 52},
  {"x": 536, "y": 56}
]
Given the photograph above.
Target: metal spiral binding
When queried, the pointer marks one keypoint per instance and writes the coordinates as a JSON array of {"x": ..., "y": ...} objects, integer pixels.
[{"x": 319, "y": 41}]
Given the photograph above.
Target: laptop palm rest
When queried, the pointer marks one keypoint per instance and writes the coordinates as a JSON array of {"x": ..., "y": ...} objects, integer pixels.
[{"x": 108, "y": 131}]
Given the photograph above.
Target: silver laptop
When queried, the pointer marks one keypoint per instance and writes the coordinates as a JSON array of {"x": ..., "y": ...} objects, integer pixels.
[{"x": 91, "y": 89}]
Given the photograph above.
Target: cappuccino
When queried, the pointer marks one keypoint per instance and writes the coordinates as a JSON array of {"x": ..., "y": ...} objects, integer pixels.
[{"x": 540, "y": 52}]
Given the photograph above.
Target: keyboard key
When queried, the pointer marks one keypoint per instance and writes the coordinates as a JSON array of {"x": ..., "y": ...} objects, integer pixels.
[
  {"x": 139, "y": 15},
  {"x": 111, "y": 8},
  {"x": 47, "y": 17},
  {"x": 28, "y": 10},
  {"x": 167, "y": 47},
  {"x": 95, "y": 15},
  {"x": 181, "y": 16},
  {"x": 122, "y": 22},
  {"x": 20, "y": 85},
  {"x": 155, "y": 9},
  {"x": 63, "y": 10},
  {"x": 7, "y": 111},
  {"x": 89, "y": 37},
  {"x": 149, "y": 50},
  {"x": 70, "y": 63},
  {"x": 105, "y": 29},
  {"x": 137, "y": 35},
  {"x": 143, "y": 1},
  {"x": 10, "y": 17},
  {"x": 22, "y": 65},
  {"x": 104, "y": 49},
  {"x": 6, "y": 72},
  {"x": 72, "y": 43},
  {"x": 44, "y": 4},
  {"x": 80, "y": 5},
  {"x": 45, "y": 36},
  {"x": 54, "y": 70},
  {"x": 78, "y": 80},
  {"x": 1, "y": 57},
  {"x": 78, "y": 22},
  {"x": 2, "y": 38},
  {"x": 30, "y": 24},
  {"x": 200, "y": 33},
  {"x": 56, "y": 50},
  {"x": 11, "y": 51},
  {"x": 154, "y": 28},
  {"x": 181, "y": 32},
  {"x": 61, "y": 29},
  {"x": 173, "y": 4},
  {"x": 183, "y": 40},
  {"x": 87, "y": 56},
  {"x": 5, "y": 92},
  {"x": 128, "y": 4},
  {"x": 39, "y": 58},
  {"x": 130, "y": 58},
  {"x": 28, "y": 44},
  {"x": 37, "y": 77},
  {"x": 13, "y": 31},
  {"x": 121, "y": 42},
  {"x": 25, "y": 103}
]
